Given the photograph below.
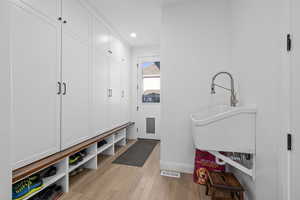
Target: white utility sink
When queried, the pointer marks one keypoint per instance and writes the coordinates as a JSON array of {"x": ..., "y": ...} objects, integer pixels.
[{"x": 225, "y": 128}]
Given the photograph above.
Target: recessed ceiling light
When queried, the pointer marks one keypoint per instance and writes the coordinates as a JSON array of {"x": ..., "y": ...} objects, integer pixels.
[{"x": 133, "y": 35}]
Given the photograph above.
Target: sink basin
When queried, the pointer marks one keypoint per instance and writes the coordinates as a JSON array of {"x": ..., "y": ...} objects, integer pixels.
[{"x": 225, "y": 128}]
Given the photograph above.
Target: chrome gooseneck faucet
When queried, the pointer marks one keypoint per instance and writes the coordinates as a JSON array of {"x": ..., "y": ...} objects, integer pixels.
[{"x": 233, "y": 100}]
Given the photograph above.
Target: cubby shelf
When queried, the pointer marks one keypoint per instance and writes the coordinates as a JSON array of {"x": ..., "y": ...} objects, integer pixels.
[
  {"x": 119, "y": 139},
  {"x": 84, "y": 161},
  {"x": 104, "y": 147},
  {"x": 47, "y": 182}
]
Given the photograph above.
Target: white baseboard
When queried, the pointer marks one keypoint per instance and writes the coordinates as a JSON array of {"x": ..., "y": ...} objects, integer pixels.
[{"x": 178, "y": 167}]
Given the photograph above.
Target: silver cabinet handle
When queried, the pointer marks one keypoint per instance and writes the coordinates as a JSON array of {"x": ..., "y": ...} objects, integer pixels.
[
  {"x": 65, "y": 88},
  {"x": 109, "y": 92},
  {"x": 59, "y": 88},
  {"x": 123, "y": 94}
]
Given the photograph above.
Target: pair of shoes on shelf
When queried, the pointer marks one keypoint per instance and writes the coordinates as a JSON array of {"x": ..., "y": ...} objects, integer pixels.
[
  {"x": 48, "y": 172},
  {"x": 101, "y": 143},
  {"x": 52, "y": 192},
  {"x": 76, "y": 171},
  {"x": 26, "y": 187},
  {"x": 77, "y": 157}
]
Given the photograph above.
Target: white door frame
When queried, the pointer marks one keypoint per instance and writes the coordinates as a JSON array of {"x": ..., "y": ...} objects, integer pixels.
[{"x": 146, "y": 109}]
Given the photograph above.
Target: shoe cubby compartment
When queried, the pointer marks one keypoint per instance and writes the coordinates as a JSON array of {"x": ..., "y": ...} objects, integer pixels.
[
  {"x": 120, "y": 138},
  {"x": 59, "y": 178},
  {"x": 88, "y": 161},
  {"x": 106, "y": 146}
]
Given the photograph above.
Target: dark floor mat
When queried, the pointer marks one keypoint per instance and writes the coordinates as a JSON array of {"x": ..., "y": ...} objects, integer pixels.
[{"x": 137, "y": 154}]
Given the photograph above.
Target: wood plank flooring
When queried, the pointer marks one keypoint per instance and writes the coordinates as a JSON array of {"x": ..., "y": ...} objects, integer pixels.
[{"x": 121, "y": 182}]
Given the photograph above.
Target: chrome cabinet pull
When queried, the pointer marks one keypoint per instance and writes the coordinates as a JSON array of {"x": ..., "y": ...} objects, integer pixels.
[
  {"x": 59, "y": 88},
  {"x": 65, "y": 88},
  {"x": 109, "y": 92}
]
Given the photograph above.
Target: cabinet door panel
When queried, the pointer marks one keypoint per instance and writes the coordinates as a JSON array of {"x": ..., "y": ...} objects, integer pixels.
[
  {"x": 35, "y": 68},
  {"x": 77, "y": 17},
  {"x": 295, "y": 101},
  {"x": 75, "y": 103},
  {"x": 115, "y": 99},
  {"x": 100, "y": 73},
  {"x": 50, "y": 8},
  {"x": 125, "y": 89}
]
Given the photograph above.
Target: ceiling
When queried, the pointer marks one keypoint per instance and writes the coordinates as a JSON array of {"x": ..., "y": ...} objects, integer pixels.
[
  {"x": 140, "y": 16},
  {"x": 126, "y": 16}
]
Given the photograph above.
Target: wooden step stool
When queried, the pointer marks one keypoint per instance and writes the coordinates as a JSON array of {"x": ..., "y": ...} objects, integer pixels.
[{"x": 226, "y": 183}]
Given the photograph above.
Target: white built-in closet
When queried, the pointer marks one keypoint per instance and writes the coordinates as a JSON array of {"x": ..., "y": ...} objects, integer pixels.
[{"x": 70, "y": 77}]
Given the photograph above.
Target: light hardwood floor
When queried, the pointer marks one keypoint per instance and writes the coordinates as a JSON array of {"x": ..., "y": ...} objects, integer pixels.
[{"x": 121, "y": 182}]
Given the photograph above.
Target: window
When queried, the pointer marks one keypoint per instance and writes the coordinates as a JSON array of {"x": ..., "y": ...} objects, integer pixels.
[{"x": 151, "y": 82}]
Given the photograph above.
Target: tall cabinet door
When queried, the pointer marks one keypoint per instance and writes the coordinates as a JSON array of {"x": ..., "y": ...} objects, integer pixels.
[
  {"x": 76, "y": 65},
  {"x": 115, "y": 96},
  {"x": 125, "y": 85},
  {"x": 35, "y": 70},
  {"x": 295, "y": 100},
  {"x": 99, "y": 111},
  {"x": 115, "y": 83}
]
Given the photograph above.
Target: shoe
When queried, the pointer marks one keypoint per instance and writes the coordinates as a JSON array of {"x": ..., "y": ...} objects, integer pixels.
[
  {"x": 50, "y": 193},
  {"x": 57, "y": 192},
  {"x": 101, "y": 143},
  {"x": 26, "y": 187},
  {"x": 45, "y": 194},
  {"x": 50, "y": 171},
  {"x": 82, "y": 153},
  {"x": 74, "y": 159},
  {"x": 77, "y": 157}
]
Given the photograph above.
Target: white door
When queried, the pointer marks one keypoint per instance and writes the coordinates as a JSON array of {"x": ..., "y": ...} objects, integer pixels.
[
  {"x": 76, "y": 69},
  {"x": 295, "y": 100},
  {"x": 148, "y": 98},
  {"x": 100, "y": 78},
  {"x": 35, "y": 71}
]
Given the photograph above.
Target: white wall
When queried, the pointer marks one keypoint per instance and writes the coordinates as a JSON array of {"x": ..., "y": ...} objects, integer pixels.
[
  {"x": 257, "y": 51},
  {"x": 241, "y": 36},
  {"x": 195, "y": 44},
  {"x": 136, "y": 53},
  {"x": 5, "y": 171}
]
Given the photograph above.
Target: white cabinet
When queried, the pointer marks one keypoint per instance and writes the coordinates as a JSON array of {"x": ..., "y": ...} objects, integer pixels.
[
  {"x": 75, "y": 99},
  {"x": 76, "y": 72},
  {"x": 69, "y": 78},
  {"x": 100, "y": 78},
  {"x": 35, "y": 71},
  {"x": 115, "y": 94},
  {"x": 110, "y": 79},
  {"x": 125, "y": 86}
]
